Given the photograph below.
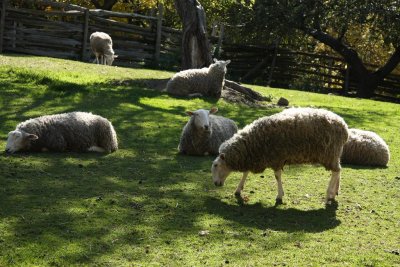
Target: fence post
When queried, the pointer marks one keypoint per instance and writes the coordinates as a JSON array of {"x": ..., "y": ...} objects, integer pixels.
[
  {"x": 85, "y": 35},
  {"x": 2, "y": 23},
  {"x": 158, "y": 33},
  {"x": 220, "y": 38},
  {"x": 347, "y": 80},
  {"x": 273, "y": 63}
]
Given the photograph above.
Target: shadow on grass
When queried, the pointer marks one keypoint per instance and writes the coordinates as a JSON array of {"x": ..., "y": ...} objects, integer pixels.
[
  {"x": 105, "y": 202},
  {"x": 275, "y": 218},
  {"x": 359, "y": 167}
]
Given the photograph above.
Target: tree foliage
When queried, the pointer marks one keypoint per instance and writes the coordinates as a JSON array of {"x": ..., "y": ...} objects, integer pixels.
[{"x": 341, "y": 25}]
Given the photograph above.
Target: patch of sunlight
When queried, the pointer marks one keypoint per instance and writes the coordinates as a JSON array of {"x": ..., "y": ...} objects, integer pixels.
[
  {"x": 77, "y": 210},
  {"x": 116, "y": 180},
  {"x": 82, "y": 161},
  {"x": 166, "y": 103},
  {"x": 71, "y": 249},
  {"x": 129, "y": 106}
]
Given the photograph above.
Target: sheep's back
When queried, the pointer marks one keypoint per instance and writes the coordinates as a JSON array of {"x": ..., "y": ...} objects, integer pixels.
[
  {"x": 75, "y": 131},
  {"x": 365, "y": 148},
  {"x": 101, "y": 43},
  {"x": 293, "y": 136},
  {"x": 222, "y": 130},
  {"x": 189, "y": 81}
]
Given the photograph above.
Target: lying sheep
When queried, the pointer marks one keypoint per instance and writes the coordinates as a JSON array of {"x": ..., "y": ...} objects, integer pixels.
[
  {"x": 75, "y": 131},
  {"x": 293, "y": 136},
  {"x": 204, "y": 133},
  {"x": 101, "y": 44},
  {"x": 199, "y": 82},
  {"x": 365, "y": 148}
]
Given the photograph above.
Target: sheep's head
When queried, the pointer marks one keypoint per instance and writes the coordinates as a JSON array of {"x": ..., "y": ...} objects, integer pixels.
[
  {"x": 19, "y": 140},
  {"x": 201, "y": 119},
  {"x": 220, "y": 64},
  {"x": 220, "y": 170},
  {"x": 110, "y": 58}
]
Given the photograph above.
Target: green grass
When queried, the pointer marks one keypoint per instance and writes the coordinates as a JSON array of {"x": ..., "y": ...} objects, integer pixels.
[{"x": 145, "y": 205}]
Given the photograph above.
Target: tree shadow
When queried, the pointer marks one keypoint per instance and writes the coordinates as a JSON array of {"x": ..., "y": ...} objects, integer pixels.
[{"x": 275, "y": 218}]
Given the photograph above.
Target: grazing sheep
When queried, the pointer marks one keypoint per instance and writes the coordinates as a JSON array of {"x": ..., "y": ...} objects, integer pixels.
[
  {"x": 101, "y": 44},
  {"x": 293, "y": 136},
  {"x": 75, "y": 131},
  {"x": 365, "y": 148},
  {"x": 204, "y": 133},
  {"x": 199, "y": 82}
]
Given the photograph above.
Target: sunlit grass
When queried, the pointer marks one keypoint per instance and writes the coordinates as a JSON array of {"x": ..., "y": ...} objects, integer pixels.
[{"x": 144, "y": 205}]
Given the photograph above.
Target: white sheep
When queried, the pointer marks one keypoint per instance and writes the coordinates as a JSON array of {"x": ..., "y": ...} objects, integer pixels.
[
  {"x": 204, "y": 132},
  {"x": 293, "y": 136},
  {"x": 365, "y": 148},
  {"x": 101, "y": 44},
  {"x": 199, "y": 82},
  {"x": 75, "y": 131}
]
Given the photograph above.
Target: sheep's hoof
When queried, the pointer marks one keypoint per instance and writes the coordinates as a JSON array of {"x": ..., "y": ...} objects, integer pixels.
[
  {"x": 331, "y": 202},
  {"x": 237, "y": 193},
  {"x": 278, "y": 201}
]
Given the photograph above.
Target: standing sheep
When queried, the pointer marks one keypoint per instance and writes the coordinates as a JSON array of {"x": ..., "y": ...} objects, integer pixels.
[
  {"x": 365, "y": 148},
  {"x": 293, "y": 136},
  {"x": 75, "y": 131},
  {"x": 204, "y": 132},
  {"x": 101, "y": 44},
  {"x": 199, "y": 82}
]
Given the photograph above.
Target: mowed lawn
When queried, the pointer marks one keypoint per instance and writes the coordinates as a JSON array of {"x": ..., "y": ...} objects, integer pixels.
[{"x": 145, "y": 205}]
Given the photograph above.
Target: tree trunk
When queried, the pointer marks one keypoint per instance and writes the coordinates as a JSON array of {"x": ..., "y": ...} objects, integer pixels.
[
  {"x": 367, "y": 81},
  {"x": 195, "y": 46},
  {"x": 196, "y": 50},
  {"x": 107, "y": 4}
]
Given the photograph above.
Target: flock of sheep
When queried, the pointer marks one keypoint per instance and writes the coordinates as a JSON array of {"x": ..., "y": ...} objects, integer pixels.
[{"x": 293, "y": 136}]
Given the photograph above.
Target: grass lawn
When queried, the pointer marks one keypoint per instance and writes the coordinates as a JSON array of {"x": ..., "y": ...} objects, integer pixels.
[{"x": 145, "y": 205}]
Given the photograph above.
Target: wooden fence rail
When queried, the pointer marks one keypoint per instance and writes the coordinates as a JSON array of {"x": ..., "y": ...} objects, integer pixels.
[{"x": 62, "y": 30}]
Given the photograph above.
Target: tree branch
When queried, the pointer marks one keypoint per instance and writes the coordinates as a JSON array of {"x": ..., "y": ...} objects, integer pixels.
[
  {"x": 347, "y": 53},
  {"x": 389, "y": 66}
]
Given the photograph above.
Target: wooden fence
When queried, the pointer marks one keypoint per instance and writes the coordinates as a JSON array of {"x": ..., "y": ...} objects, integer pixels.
[
  {"x": 62, "y": 30},
  {"x": 281, "y": 67}
]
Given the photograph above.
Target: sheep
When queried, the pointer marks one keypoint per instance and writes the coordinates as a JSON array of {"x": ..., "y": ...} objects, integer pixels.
[
  {"x": 101, "y": 44},
  {"x": 293, "y": 136},
  {"x": 199, "y": 82},
  {"x": 365, "y": 148},
  {"x": 204, "y": 132},
  {"x": 74, "y": 131}
]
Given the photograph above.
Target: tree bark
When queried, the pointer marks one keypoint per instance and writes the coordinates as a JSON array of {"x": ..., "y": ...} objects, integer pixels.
[
  {"x": 195, "y": 45},
  {"x": 367, "y": 81}
]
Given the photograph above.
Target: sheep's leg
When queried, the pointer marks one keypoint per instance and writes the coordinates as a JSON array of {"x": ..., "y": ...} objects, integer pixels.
[
  {"x": 97, "y": 58},
  {"x": 241, "y": 184},
  {"x": 337, "y": 185},
  {"x": 278, "y": 177},
  {"x": 333, "y": 187},
  {"x": 96, "y": 149},
  {"x": 195, "y": 95}
]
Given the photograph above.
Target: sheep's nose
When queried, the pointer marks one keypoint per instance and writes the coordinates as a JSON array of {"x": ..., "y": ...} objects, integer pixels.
[{"x": 206, "y": 127}]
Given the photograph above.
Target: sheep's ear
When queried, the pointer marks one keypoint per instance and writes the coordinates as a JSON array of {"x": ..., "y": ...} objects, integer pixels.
[
  {"x": 115, "y": 56},
  {"x": 228, "y": 61},
  {"x": 215, "y": 60},
  {"x": 32, "y": 136},
  {"x": 190, "y": 113},
  {"x": 222, "y": 156},
  {"x": 213, "y": 110}
]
